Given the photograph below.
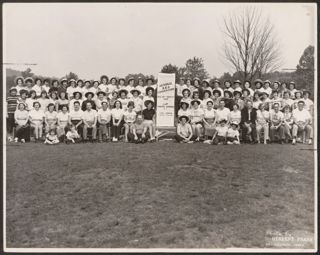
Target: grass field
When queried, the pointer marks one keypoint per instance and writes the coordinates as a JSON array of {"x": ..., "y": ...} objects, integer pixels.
[{"x": 158, "y": 195}]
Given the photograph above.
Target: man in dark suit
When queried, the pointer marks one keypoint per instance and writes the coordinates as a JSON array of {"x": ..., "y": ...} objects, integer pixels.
[{"x": 248, "y": 123}]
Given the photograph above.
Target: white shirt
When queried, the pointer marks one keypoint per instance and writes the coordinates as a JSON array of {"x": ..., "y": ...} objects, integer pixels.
[
  {"x": 184, "y": 130},
  {"x": 29, "y": 102},
  {"x": 182, "y": 112},
  {"x": 76, "y": 115},
  {"x": 222, "y": 131},
  {"x": 37, "y": 89},
  {"x": 196, "y": 115},
  {"x": 130, "y": 117},
  {"x": 209, "y": 114},
  {"x": 267, "y": 90},
  {"x": 105, "y": 114},
  {"x": 63, "y": 117},
  {"x": 124, "y": 103},
  {"x": 103, "y": 87},
  {"x": 232, "y": 133},
  {"x": 71, "y": 103},
  {"x": 111, "y": 88},
  {"x": 235, "y": 116},
  {"x": 36, "y": 115},
  {"x": 308, "y": 104},
  {"x": 21, "y": 116},
  {"x": 301, "y": 116},
  {"x": 222, "y": 114},
  {"x": 70, "y": 91},
  {"x": 89, "y": 116},
  {"x": 287, "y": 102},
  {"x": 51, "y": 116},
  {"x": 43, "y": 103},
  {"x": 179, "y": 89},
  {"x": 117, "y": 113},
  {"x": 138, "y": 104}
]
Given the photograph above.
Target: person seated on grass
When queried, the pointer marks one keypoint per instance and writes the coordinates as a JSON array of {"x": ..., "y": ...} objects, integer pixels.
[
  {"x": 277, "y": 125},
  {"x": 302, "y": 123},
  {"x": 50, "y": 118},
  {"x": 89, "y": 118},
  {"x": 184, "y": 131},
  {"x": 36, "y": 120},
  {"x": 139, "y": 131},
  {"x": 129, "y": 118},
  {"x": 75, "y": 117},
  {"x": 51, "y": 137},
  {"x": 62, "y": 121},
  {"x": 104, "y": 118},
  {"x": 149, "y": 115},
  {"x": 196, "y": 115},
  {"x": 72, "y": 135},
  {"x": 233, "y": 134},
  {"x": 220, "y": 136},
  {"x": 21, "y": 117}
]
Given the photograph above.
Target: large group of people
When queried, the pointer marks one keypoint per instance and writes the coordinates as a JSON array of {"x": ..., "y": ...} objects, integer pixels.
[{"x": 72, "y": 111}]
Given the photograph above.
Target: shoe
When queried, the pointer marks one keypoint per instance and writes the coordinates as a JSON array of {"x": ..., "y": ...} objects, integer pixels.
[
  {"x": 113, "y": 139},
  {"x": 190, "y": 142},
  {"x": 310, "y": 141},
  {"x": 229, "y": 142},
  {"x": 23, "y": 141},
  {"x": 293, "y": 141},
  {"x": 198, "y": 139},
  {"x": 10, "y": 139},
  {"x": 16, "y": 139}
]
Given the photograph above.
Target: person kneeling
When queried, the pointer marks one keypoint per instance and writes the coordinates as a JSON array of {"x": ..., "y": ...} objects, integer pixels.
[
  {"x": 72, "y": 135},
  {"x": 51, "y": 137},
  {"x": 139, "y": 130},
  {"x": 233, "y": 134},
  {"x": 184, "y": 131}
]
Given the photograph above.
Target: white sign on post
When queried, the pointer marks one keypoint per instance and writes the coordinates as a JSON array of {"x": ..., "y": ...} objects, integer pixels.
[{"x": 165, "y": 100}]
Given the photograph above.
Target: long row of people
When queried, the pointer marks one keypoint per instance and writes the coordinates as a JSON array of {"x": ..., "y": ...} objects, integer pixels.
[{"x": 205, "y": 107}]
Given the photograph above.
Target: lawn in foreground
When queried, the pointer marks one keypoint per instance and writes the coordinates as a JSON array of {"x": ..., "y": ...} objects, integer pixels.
[{"x": 160, "y": 195}]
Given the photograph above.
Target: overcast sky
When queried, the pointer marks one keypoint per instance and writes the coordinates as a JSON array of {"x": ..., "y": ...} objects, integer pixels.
[{"x": 117, "y": 39}]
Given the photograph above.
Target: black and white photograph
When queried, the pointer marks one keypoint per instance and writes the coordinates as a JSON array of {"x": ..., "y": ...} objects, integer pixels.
[{"x": 159, "y": 127}]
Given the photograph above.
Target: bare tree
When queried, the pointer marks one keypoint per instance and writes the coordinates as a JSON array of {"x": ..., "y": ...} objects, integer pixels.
[{"x": 250, "y": 44}]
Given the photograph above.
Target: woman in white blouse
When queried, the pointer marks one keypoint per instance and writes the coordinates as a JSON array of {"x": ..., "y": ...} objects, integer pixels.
[
  {"x": 235, "y": 114},
  {"x": 63, "y": 118},
  {"x": 209, "y": 120},
  {"x": 36, "y": 118},
  {"x": 262, "y": 123},
  {"x": 117, "y": 120},
  {"x": 21, "y": 116}
]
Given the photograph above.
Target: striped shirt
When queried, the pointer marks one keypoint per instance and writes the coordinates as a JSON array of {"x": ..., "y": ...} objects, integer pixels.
[{"x": 12, "y": 102}]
